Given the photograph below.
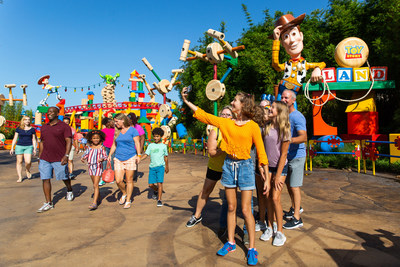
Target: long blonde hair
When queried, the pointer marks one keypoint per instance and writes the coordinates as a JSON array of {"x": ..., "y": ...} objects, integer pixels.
[
  {"x": 127, "y": 123},
  {"x": 282, "y": 121},
  {"x": 21, "y": 124}
]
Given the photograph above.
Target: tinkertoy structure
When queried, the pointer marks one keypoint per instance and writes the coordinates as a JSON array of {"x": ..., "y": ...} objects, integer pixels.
[{"x": 215, "y": 53}]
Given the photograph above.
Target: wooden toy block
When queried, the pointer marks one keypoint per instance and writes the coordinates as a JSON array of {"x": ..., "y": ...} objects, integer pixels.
[
  {"x": 395, "y": 151},
  {"x": 379, "y": 73},
  {"x": 216, "y": 34},
  {"x": 329, "y": 75},
  {"x": 344, "y": 74},
  {"x": 10, "y": 95},
  {"x": 85, "y": 124},
  {"x": 361, "y": 74},
  {"x": 362, "y": 123},
  {"x": 320, "y": 127},
  {"x": 364, "y": 105},
  {"x": 185, "y": 50},
  {"x": 352, "y": 52}
]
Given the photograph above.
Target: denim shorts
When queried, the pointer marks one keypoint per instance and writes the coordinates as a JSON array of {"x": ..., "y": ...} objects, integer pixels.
[
  {"x": 295, "y": 172},
  {"x": 19, "y": 150},
  {"x": 156, "y": 174},
  {"x": 46, "y": 170},
  {"x": 275, "y": 169},
  {"x": 238, "y": 173}
]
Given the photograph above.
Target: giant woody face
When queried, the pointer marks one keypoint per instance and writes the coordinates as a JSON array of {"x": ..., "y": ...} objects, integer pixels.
[{"x": 292, "y": 41}]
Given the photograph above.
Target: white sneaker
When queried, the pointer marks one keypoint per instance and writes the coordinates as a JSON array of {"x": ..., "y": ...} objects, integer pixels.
[
  {"x": 70, "y": 196},
  {"x": 274, "y": 228},
  {"x": 260, "y": 226},
  {"x": 46, "y": 206},
  {"x": 279, "y": 239},
  {"x": 267, "y": 234}
]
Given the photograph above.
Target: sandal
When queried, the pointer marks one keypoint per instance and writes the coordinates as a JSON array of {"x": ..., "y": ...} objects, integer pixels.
[
  {"x": 127, "y": 205},
  {"x": 122, "y": 200},
  {"x": 28, "y": 175},
  {"x": 93, "y": 206},
  {"x": 19, "y": 181}
]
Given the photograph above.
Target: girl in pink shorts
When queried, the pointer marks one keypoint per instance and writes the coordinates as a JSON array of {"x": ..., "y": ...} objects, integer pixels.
[{"x": 95, "y": 154}]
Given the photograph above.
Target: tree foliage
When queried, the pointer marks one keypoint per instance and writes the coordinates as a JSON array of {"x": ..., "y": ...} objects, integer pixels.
[
  {"x": 374, "y": 21},
  {"x": 13, "y": 113}
]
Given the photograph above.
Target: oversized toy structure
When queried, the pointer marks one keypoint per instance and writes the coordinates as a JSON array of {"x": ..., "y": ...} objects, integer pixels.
[
  {"x": 11, "y": 98},
  {"x": 216, "y": 52},
  {"x": 88, "y": 115},
  {"x": 108, "y": 91},
  {"x": 44, "y": 80},
  {"x": 350, "y": 54},
  {"x": 295, "y": 70},
  {"x": 165, "y": 118}
]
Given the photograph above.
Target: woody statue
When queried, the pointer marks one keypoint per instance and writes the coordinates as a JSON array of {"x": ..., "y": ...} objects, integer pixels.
[{"x": 288, "y": 30}]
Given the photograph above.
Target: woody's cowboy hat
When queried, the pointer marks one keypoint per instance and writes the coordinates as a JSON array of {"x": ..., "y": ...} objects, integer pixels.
[
  {"x": 41, "y": 79},
  {"x": 288, "y": 21}
]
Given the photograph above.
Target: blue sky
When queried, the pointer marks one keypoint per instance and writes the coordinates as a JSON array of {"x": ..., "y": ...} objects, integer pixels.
[{"x": 75, "y": 40}]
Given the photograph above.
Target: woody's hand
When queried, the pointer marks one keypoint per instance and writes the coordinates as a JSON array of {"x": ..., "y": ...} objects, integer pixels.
[
  {"x": 316, "y": 75},
  {"x": 277, "y": 32}
]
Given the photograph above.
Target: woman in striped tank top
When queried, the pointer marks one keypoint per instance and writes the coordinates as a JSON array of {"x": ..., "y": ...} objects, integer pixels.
[{"x": 95, "y": 154}]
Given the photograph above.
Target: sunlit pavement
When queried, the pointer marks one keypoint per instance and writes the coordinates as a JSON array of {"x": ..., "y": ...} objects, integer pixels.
[{"x": 349, "y": 219}]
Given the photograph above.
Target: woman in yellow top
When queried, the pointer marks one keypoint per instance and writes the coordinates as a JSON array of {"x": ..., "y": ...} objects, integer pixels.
[
  {"x": 214, "y": 168},
  {"x": 238, "y": 171}
]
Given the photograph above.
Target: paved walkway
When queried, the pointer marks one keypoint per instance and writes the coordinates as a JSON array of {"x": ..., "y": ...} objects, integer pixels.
[{"x": 349, "y": 219}]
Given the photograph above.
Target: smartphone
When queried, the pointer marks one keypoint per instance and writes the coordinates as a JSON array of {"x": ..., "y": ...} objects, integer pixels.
[{"x": 189, "y": 88}]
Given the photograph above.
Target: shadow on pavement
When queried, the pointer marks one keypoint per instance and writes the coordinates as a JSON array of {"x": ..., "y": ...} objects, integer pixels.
[
  {"x": 369, "y": 255},
  {"x": 78, "y": 190}
]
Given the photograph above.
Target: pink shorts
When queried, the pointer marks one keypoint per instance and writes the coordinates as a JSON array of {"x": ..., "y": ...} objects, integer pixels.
[{"x": 129, "y": 165}]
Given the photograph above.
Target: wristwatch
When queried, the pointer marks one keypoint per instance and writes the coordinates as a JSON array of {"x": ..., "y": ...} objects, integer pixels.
[{"x": 67, "y": 155}]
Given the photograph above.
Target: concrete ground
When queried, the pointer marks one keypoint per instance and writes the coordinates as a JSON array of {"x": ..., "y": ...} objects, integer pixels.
[{"x": 350, "y": 219}]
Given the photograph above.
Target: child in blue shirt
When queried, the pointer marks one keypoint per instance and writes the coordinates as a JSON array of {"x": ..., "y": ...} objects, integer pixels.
[{"x": 158, "y": 164}]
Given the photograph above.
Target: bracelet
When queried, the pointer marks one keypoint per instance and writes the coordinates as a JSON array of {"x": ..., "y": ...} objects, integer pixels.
[{"x": 66, "y": 155}]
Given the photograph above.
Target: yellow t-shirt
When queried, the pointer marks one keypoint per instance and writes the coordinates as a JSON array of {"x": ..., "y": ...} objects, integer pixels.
[{"x": 215, "y": 163}]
